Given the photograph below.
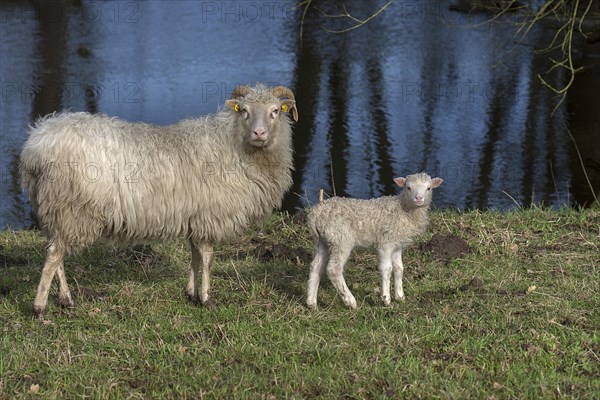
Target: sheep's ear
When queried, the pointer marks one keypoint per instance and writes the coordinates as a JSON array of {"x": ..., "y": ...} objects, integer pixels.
[
  {"x": 233, "y": 104},
  {"x": 288, "y": 105},
  {"x": 400, "y": 181},
  {"x": 435, "y": 182}
]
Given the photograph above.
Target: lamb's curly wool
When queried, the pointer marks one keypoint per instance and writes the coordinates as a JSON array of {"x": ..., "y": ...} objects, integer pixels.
[
  {"x": 388, "y": 223},
  {"x": 94, "y": 177}
]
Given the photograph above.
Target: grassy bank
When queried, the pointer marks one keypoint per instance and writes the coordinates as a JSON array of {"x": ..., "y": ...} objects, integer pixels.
[{"x": 516, "y": 316}]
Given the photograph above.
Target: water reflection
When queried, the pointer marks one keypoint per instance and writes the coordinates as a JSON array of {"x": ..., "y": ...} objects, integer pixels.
[
  {"x": 429, "y": 94},
  {"x": 418, "y": 88}
]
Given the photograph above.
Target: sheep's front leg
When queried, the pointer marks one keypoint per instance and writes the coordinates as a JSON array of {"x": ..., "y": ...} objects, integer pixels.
[
  {"x": 192, "y": 286},
  {"x": 201, "y": 253},
  {"x": 206, "y": 250},
  {"x": 335, "y": 270},
  {"x": 54, "y": 260},
  {"x": 398, "y": 273},
  {"x": 316, "y": 270}
]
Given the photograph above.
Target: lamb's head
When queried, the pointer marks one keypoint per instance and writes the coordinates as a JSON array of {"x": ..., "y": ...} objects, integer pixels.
[
  {"x": 417, "y": 189},
  {"x": 262, "y": 112}
]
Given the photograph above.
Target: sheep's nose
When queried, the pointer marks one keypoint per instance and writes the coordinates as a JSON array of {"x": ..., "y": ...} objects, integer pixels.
[
  {"x": 260, "y": 133},
  {"x": 419, "y": 198}
]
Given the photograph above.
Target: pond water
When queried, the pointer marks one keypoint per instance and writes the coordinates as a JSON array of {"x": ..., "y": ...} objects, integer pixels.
[{"x": 418, "y": 88}]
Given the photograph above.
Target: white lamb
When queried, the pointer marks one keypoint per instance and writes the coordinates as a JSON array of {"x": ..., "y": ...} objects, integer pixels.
[{"x": 389, "y": 224}]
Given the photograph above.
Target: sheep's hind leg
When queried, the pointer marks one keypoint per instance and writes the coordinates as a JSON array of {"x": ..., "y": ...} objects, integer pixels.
[
  {"x": 316, "y": 270},
  {"x": 54, "y": 261},
  {"x": 335, "y": 271},
  {"x": 64, "y": 295}
]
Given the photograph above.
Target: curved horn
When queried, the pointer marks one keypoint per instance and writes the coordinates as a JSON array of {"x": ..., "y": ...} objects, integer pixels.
[
  {"x": 240, "y": 91},
  {"x": 282, "y": 91}
]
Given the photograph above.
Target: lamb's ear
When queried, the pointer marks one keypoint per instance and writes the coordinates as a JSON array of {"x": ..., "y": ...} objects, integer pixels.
[
  {"x": 435, "y": 182},
  {"x": 233, "y": 104},
  {"x": 288, "y": 105},
  {"x": 400, "y": 181}
]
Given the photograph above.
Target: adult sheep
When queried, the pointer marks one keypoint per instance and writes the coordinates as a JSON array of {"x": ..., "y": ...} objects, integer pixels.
[{"x": 93, "y": 177}]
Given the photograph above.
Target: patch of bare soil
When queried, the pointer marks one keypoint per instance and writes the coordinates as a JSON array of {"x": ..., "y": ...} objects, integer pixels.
[
  {"x": 445, "y": 248},
  {"x": 265, "y": 252},
  {"x": 8, "y": 260},
  {"x": 474, "y": 285}
]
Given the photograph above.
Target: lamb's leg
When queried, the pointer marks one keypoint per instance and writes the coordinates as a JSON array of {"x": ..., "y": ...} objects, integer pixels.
[
  {"x": 64, "y": 295},
  {"x": 54, "y": 259},
  {"x": 385, "y": 269},
  {"x": 398, "y": 272},
  {"x": 335, "y": 270},
  {"x": 316, "y": 270}
]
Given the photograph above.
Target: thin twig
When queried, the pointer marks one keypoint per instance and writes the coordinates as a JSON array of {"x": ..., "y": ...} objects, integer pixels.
[
  {"x": 513, "y": 199},
  {"x": 331, "y": 172},
  {"x": 583, "y": 166},
  {"x": 306, "y": 4},
  {"x": 554, "y": 181}
]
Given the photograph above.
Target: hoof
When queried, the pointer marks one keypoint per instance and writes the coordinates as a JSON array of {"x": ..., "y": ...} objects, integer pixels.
[
  {"x": 386, "y": 301},
  {"x": 66, "y": 302},
  {"x": 351, "y": 303},
  {"x": 193, "y": 297},
  {"x": 39, "y": 311},
  {"x": 311, "y": 306},
  {"x": 209, "y": 304}
]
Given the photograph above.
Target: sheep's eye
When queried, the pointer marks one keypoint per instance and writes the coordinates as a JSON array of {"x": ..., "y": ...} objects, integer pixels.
[
  {"x": 274, "y": 113},
  {"x": 409, "y": 188},
  {"x": 429, "y": 188}
]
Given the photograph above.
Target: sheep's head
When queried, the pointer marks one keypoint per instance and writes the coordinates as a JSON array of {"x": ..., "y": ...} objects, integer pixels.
[
  {"x": 417, "y": 189},
  {"x": 261, "y": 111}
]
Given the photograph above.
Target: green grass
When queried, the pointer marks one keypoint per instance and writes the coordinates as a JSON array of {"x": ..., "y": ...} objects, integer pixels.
[{"x": 528, "y": 328}]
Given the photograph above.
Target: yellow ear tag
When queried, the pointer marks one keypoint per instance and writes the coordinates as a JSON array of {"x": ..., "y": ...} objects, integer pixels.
[
  {"x": 285, "y": 108},
  {"x": 236, "y": 108}
]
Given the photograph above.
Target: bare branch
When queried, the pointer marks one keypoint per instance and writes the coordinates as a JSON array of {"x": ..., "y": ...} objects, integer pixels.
[{"x": 357, "y": 22}]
